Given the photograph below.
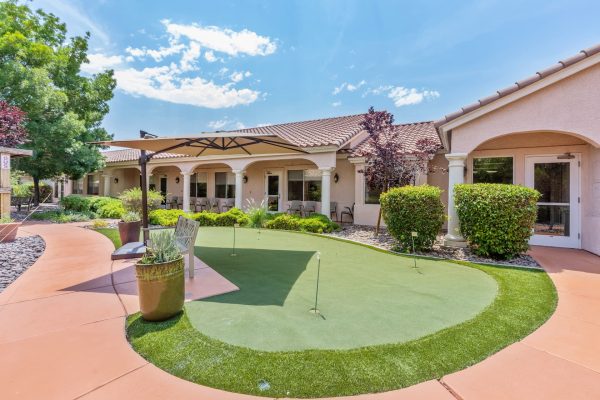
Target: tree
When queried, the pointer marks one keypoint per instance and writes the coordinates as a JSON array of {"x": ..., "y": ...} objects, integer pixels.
[
  {"x": 389, "y": 161},
  {"x": 40, "y": 73},
  {"x": 12, "y": 131}
]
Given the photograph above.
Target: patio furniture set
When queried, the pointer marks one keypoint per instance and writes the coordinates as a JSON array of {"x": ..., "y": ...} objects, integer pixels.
[{"x": 306, "y": 208}]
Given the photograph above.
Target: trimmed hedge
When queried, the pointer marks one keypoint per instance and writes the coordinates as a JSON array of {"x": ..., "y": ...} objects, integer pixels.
[
  {"x": 413, "y": 209},
  {"x": 496, "y": 219},
  {"x": 205, "y": 218},
  {"x": 315, "y": 223}
]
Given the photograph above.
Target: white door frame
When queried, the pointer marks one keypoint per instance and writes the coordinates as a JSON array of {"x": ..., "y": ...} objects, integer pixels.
[
  {"x": 279, "y": 173},
  {"x": 574, "y": 240}
]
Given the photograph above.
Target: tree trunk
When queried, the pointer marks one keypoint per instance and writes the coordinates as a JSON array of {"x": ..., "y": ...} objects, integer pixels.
[
  {"x": 378, "y": 222},
  {"x": 36, "y": 191}
]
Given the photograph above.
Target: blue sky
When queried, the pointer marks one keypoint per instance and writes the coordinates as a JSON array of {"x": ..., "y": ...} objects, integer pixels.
[{"x": 194, "y": 66}]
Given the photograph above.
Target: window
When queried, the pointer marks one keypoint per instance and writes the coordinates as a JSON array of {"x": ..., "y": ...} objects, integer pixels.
[
  {"x": 493, "y": 170},
  {"x": 77, "y": 186},
  {"x": 304, "y": 185},
  {"x": 224, "y": 185},
  {"x": 93, "y": 184},
  {"x": 371, "y": 196},
  {"x": 198, "y": 184}
]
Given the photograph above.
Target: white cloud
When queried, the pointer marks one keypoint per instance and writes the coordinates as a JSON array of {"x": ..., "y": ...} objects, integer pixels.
[
  {"x": 336, "y": 103},
  {"x": 99, "y": 62},
  {"x": 166, "y": 83},
  {"x": 188, "y": 60},
  {"x": 223, "y": 40},
  {"x": 157, "y": 55},
  {"x": 404, "y": 96},
  {"x": 218, "y": 124},
  {"x": 226, "y": 123},
  {"x": 350, "y": 87},
  {"x": 209, "y": 56},
  {"x": 239, "y": 76}
]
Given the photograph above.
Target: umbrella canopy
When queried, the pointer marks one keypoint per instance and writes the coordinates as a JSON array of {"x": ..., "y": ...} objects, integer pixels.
[{"x": 210, "y": 144}]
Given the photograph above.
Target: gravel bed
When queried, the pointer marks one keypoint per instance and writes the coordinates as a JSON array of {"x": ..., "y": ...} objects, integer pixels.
[
  {"x": 17, "y": 256},
  {"x": 366, "y": 235}
]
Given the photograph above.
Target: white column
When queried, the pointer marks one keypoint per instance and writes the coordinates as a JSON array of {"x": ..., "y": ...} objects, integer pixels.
[
  {"x": 456, "y": 175},
  {"x": 239, "y": 187},
  {"x": 186, "y": 191},
  {"x": 107, "y": 179},
  {"x": 326, "y": 192}
]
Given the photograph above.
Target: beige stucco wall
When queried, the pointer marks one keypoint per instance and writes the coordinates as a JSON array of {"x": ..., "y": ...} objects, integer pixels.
[{"x": 570, "y": 106}]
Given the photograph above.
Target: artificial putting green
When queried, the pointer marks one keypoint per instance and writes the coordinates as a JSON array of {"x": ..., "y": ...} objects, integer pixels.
[
  {"x": 525, "y": 299},
  {"x": 366, "y": 297}
]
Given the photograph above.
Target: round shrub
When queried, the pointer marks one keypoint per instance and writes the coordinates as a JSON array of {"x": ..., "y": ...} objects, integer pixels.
[
  {"x": 284, "y": 221},
  {"x": 496, "y": 219},
  {"x": 165, "y": 217},
  {"x": 132, "y": 199},
  {"x": 75, "y": 202},
  {"x": 205, "y": 218},
  {"x": 413, "y": 209}
]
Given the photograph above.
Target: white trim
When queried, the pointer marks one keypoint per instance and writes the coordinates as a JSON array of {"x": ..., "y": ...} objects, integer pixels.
[{"x": 520, "y": 93}]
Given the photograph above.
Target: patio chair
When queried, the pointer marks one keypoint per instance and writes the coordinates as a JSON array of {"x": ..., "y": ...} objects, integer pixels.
[
  {"x": 201, "y": 204},
  {"x": 228, "y": 204},
  {"x": 349, "y": 211},
  {"x": 295, "y": 207},
  {"x": 213, "y": 205},
  {"x": 310, "y": 207},
  {"x": 179, "y": 202},
  {"x": 171, "y": 202},
  {"x": 333, "y": 210}
]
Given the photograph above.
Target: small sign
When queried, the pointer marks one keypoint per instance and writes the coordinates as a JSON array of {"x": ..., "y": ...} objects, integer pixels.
[
  {"x": 4, "y": 161},
  {"x": 236, "y": 225},
  {"x": 414, "y": 234}
]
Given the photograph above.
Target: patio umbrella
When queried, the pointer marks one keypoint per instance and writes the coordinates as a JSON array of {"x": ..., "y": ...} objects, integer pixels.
[{"x": 229, "y": 143}]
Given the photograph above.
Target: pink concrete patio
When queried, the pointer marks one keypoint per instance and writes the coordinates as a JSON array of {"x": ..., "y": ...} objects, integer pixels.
[{"x": 62, "y": 336}]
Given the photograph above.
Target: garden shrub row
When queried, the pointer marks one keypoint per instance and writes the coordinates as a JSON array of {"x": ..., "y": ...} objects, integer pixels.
[
  {"x": 496, "y": 219},
  {"x": 315, "y": 223},
  {"x": 205, "y": 218},
  {"x": 410, "y": 209},
  {"x": 100, "y": 206}
]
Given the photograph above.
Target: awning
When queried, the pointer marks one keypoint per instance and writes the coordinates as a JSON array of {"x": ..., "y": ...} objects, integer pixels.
[{"x": 210, "y": 144}]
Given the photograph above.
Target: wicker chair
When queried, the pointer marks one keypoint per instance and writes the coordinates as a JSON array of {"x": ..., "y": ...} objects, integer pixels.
[{"x": 310, "y": 207}]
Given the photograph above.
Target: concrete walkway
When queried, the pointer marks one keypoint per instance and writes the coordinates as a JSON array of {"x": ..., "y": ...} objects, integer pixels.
[{"x": 62, "y": 337}]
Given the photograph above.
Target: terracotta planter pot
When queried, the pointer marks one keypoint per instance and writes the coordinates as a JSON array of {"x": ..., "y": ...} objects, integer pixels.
[
  {"x": 130, "y": 231},
  {"x": 8, "y": 232},
  {"x": 161, "y": 289}
]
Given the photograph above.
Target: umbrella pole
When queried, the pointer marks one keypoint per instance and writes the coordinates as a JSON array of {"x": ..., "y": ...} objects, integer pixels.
[{"x": 144, "y": 188}]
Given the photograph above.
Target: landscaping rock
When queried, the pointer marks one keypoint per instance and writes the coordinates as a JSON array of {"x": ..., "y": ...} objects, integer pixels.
[
  {"x": 17, "y": 256},
  {"x": 366, "y": 235}
]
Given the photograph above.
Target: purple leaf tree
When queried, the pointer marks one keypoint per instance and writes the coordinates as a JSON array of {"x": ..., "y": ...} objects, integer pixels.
[
  {"x": 12, "y": 131},
  {"x": 389, "y": 159}
]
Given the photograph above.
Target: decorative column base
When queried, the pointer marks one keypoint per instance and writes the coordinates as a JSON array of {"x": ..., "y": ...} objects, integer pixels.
[{"x": 455, "y": 242}]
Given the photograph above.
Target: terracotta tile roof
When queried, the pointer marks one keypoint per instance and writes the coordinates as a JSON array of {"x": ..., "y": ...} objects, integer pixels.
[
  {"x": 319, "y": 132},
  {"x": 412, "y": 133},
  {"x": 583, "y": 54},
  {"x": 113, "y": 156}
]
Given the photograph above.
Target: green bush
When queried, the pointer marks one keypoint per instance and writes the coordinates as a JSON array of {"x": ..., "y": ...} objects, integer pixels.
[
  {"x": 132, "y": 199},
  {"x": 205, "y": 218},
  {"x": 232, "y": 217},
  {"x": 104, "y": 207},
  {"x": 75, "y": 202},
  {"x": 165, "y": 217},
  {"x": 410, "y": 209},
  {"x": 496, "y": 219},
  {"x": 315, "y": 223}
]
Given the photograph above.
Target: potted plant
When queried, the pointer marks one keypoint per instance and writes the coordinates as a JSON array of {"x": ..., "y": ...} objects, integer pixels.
[
  {"x": 160, "y": 277},
  {"x": 130, "y": 226},
  {"x": 8, "y": 229}
]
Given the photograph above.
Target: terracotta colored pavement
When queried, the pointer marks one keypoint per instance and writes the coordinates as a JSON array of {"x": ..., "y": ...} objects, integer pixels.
[{"x": 62, "y": 333}]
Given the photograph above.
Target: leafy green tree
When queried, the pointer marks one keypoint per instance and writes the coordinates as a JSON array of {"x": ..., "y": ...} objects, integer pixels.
[{"x": 40, "y": 73}]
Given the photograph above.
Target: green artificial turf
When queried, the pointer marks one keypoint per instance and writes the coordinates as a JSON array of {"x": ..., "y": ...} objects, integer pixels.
[
  {"x": 366, "y": 297},
  {"x": 525, "y": 299},
  {"x": 112, "y": 234}
]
